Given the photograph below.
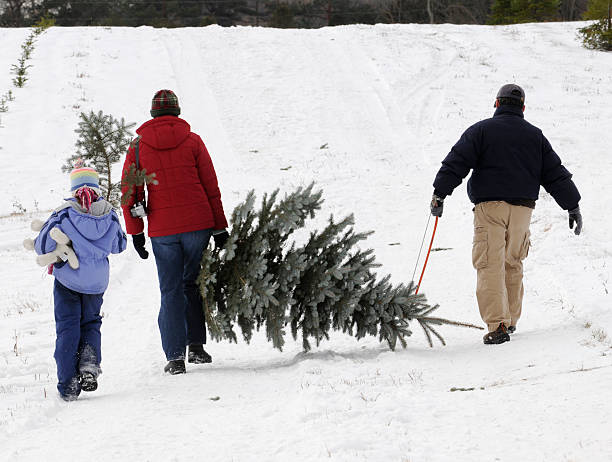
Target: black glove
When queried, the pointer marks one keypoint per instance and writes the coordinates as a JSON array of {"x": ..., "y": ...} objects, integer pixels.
[
  {"x": 575, "y": 217},
  {"x": 437, "y": 204},
  {"x": 139, "y": 244},
  {"x": 220, "y": 238}
]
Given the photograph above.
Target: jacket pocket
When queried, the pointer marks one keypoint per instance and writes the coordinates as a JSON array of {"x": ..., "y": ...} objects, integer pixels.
[
  {"x": 480, "y": 246},
  {"x": 525, "y": 246}
]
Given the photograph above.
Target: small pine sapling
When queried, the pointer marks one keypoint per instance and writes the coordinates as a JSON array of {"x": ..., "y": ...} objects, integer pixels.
[
  {"x": 44, "y": 23},
  {"x": 20, "y": 70},
  {"x": 27, "y": 47},
  {"x": 102, "y": 141}
]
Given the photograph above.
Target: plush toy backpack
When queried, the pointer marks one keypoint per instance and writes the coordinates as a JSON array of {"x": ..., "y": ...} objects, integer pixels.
[{"x": 62, "y": 253}]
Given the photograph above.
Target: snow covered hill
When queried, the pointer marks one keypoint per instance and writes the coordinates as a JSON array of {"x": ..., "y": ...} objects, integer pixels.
[{"x": 368, "y": 112}]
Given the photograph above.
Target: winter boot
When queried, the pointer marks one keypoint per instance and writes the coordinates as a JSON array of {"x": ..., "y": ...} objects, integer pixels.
[
  {"x": 71, "y": 391},
  {"x": 198, "y": 355},
  {"x": 175, "y": 366},
  {"x": 69, "y": 397},
  {"x": 500, "y": 335},
  {"x": 511, "y": 329},
  {"x": 88, "y": 381}
]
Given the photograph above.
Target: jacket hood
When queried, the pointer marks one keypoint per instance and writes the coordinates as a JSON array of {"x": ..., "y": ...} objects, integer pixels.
[
  {"x": 92, "y": 225},
  {"x": 164, "y": 132}
]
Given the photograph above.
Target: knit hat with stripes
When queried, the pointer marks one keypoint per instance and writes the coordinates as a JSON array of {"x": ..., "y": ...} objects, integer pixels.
[
  {"x": 84, "y": 176},
  {"x": 165, "y": 102}
]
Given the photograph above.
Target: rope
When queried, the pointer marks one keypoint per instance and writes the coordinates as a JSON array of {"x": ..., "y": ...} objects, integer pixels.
[
  {"x": 421, "y": 249},
  {"x": 427, "y": 258}
]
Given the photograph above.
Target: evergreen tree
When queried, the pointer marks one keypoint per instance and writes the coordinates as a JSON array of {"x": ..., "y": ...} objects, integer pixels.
[
  {"x": 501, "y": 10},
  {"x": 598, "y": 35},
  {"x": 261, "y": 278},
  {"x": 352, "y": 12},
  {"x": 521, "y": 11},
  {"x": 598, "y": 9},
  {"x": 102, "y": 141},
  {"x": 537, "y": 11},
  {"x": 82, "y": 13},
  {"x": 282, "y": 16},
  {"x": 13, "y": 12}
]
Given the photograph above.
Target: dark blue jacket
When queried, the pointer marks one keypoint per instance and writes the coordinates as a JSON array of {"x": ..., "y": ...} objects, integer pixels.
[{"x": 510, "y": 159}]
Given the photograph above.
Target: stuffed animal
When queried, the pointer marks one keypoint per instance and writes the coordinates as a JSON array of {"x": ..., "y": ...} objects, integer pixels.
[{"x": 63, "y": 251}]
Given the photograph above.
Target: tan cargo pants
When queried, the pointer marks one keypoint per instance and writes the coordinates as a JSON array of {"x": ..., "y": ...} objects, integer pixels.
[{"x": 501, "y": 243}]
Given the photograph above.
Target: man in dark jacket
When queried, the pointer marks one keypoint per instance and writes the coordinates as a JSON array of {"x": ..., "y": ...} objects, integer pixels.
[
  {"x": 184, "y": 210},
  {"x": 510, "y": 159}
]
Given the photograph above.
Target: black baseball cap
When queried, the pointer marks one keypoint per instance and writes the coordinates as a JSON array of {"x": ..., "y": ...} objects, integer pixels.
[{"x": 513, "y": 91}]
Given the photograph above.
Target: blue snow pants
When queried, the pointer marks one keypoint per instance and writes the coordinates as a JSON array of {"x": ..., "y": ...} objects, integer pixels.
[
  {"x": 181, "y": 318},
  {"x": 77, "y": 347}
]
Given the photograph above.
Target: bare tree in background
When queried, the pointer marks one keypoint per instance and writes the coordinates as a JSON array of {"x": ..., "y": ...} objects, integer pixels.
[
  {"x": 430, "y": 11},
  {"x": 12, "y": 12},
  {"x": 572, "y": 10}
]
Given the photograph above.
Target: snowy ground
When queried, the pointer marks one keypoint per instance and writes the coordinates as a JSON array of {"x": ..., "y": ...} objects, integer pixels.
[{"x": 367, "y": 112}]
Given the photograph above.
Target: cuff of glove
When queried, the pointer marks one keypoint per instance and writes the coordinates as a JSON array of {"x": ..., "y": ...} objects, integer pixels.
[{"x": 138, "y": 239}]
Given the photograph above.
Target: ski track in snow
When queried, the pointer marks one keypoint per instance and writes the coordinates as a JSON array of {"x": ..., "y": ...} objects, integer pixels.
[{"x": 369, "y": 113}]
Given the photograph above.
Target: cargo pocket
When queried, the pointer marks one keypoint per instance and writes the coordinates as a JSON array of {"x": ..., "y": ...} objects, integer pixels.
[
  {"x": 525, "y": 246},
  {"x": 480, "y": 247}
]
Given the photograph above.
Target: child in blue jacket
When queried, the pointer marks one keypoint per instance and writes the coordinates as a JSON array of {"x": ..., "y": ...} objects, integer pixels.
[{"x": 92, "y": 225}]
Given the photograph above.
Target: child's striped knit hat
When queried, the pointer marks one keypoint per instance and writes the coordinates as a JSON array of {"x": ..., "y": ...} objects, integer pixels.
[{"x": 84, "y": 176}]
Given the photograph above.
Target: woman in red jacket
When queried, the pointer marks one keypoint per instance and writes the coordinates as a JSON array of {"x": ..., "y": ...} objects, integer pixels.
[{"x": 184, "y": 210}]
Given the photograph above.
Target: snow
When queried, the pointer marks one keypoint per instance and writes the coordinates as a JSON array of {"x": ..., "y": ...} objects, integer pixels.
[{"x": 368, "y": 112}]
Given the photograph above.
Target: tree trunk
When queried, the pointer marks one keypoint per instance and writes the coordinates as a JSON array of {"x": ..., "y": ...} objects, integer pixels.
[
  {"x": 430, "y": 12},
  {"x": 567, "y": 9}
]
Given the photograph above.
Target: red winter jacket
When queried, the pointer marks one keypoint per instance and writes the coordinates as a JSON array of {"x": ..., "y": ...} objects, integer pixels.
[{"x": 187, "y": 197}]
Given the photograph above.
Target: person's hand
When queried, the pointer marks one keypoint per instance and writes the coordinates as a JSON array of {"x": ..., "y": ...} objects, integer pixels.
[
  {"x": 437, "y": 205},
  {"x": 139, "y": 244},
  {"x": 575, "y": 217},
  {"x": 220, "y": 237}
]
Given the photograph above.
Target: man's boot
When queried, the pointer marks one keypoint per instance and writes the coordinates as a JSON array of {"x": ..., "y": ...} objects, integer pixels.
[
  {"x": 175, "y": 366},
  {"x": 197, "y": 355},
  {"x": 499, "y": 335}
]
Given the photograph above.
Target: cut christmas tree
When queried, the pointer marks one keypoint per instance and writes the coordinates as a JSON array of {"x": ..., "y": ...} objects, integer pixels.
[{"x": 263, "y": 277}]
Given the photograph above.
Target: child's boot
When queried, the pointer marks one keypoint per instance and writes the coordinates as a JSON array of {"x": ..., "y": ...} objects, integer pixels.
[
  {"x": 88, "y": 381},
  {"x": 70, "y": 392},
  {"x": 89, "y": 368}
]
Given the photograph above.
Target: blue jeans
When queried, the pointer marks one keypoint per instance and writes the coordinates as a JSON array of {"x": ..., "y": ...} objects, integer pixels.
[
  {"x": 77, "y": 325},
  {"x": 181, "y": 316}
]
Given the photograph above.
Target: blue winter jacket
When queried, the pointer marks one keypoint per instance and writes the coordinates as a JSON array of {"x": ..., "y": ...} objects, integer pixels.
[
  {"x": 94, "y": 236},
  {"x": 510, "y": 159}
]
